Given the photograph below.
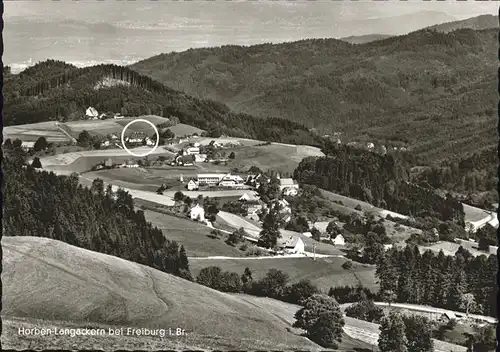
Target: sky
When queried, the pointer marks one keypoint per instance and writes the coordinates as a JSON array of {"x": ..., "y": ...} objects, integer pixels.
[{"x": 87, "y": 32}]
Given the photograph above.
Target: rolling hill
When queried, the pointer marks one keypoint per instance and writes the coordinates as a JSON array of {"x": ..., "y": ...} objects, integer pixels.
[
  {"x": 54, "y": 90},
  {"x": 65, "y": 285},
  {"x": 397, "y": 90},
  {"x": 476, "y": 23}
]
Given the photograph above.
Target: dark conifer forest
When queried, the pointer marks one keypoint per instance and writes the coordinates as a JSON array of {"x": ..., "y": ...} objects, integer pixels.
[{"x": 439, "y": 280}]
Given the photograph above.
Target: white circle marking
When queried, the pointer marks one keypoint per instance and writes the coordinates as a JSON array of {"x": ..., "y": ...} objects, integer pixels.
[{"x": 157, "y": 137}]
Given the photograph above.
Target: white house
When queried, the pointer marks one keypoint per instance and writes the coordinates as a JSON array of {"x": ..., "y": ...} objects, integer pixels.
[
  {"x": 291, "y": 244},
  {"x": 288, "y": 183},
  {"x": 339, "y": 240},
  {"x": 197, "y": 213},
  {"x": 91, "y": 112},
  {"x": 199, "y": 158},
  {"x": 307, "y": 234},
  {"x": 118, "y": 116},
  {"x": 290, "y": 191},
  {"x": 192, "y": 185},
  {"x": 105, "y": 143}
]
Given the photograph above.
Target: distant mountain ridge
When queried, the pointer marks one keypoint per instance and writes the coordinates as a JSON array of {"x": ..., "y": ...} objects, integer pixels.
[
  {"x": 399, "y": 89},
  {"x": 476, "y": 23},
  {"x": 362, "y": 39}
]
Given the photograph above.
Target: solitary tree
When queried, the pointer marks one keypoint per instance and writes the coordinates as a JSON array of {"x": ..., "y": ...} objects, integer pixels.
[
  {"x": 418, "y": 334},
  {"x": 392, "y": 336},
  {"x": 36, "y": 163},
  {"x": 322, "y": 319},
  {"x": 467, "y": 302},
  {"x": 40, "y": 144},
  {"x": 232, "y": 155}
]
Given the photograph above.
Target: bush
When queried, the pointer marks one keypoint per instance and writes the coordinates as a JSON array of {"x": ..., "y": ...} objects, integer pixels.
[
  {"x": 300, "y": 291},
  {"x": 365, "y": 310},
  {"x": 347, "y": 265},
  {"x": 255, "y": 251}
]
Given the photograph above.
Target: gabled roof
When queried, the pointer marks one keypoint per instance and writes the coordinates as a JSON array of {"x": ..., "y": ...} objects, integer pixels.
[{"x": 289, "y": 241}]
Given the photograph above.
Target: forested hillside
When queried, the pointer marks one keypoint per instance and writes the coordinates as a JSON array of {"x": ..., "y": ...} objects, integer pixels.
[
  {"x": 54, "y": 90},
  {"x": 475, "y": 176},
  {"x": 45, "y": 205},
  {"x": 436, "y": 92},
  {"x": 381, "y": 180}
]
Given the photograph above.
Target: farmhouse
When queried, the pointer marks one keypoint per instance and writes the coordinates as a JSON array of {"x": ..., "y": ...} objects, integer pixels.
[
  {"x": 339, "y": 240},
  {"x": 231, "y": 181},
  {"x": 27, "y": 146},
  {"x": 200, "y": 158},
  {"x": 105, "y": 143},
  {"x": 288, "y": 183},
  {"x": 184, "y": 160},
  {"x": 192, "y": 185},
  {"x": 291, "y": 244},
  {"x": 136, "y": 138},
  {"x": 197, "y": 213},
  {"x": 290, "y": 191}
]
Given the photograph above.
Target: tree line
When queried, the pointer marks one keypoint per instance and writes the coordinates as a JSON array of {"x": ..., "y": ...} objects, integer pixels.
[
  {"x": 42, "y": 204},
  {"x": 461, "y": 282}
]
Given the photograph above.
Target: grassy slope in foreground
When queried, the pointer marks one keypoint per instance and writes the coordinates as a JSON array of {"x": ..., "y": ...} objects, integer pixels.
[{"x": 51, "y": 280}]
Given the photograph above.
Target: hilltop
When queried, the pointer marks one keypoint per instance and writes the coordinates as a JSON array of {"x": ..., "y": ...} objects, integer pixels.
[
  {"x": 398, "y": 89},
  {"x": 93, "y": 289},
  {"x": 54, "y": 90},
  {"x": 475, "y": 23}
]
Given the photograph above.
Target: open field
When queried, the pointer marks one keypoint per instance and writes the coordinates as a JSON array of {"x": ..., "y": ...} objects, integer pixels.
[
  {"x": 84, "y": 160},
  {"x": 113, "y": 126},
  {"x": 31, "y": 132},
  {"x": 281, "y": 158},
  {"x": 83, "y": 287},
  {"x": 276, "y": 156},
  {"x": 324, "y": 272},
  {"x": 194, "y": 236}
]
